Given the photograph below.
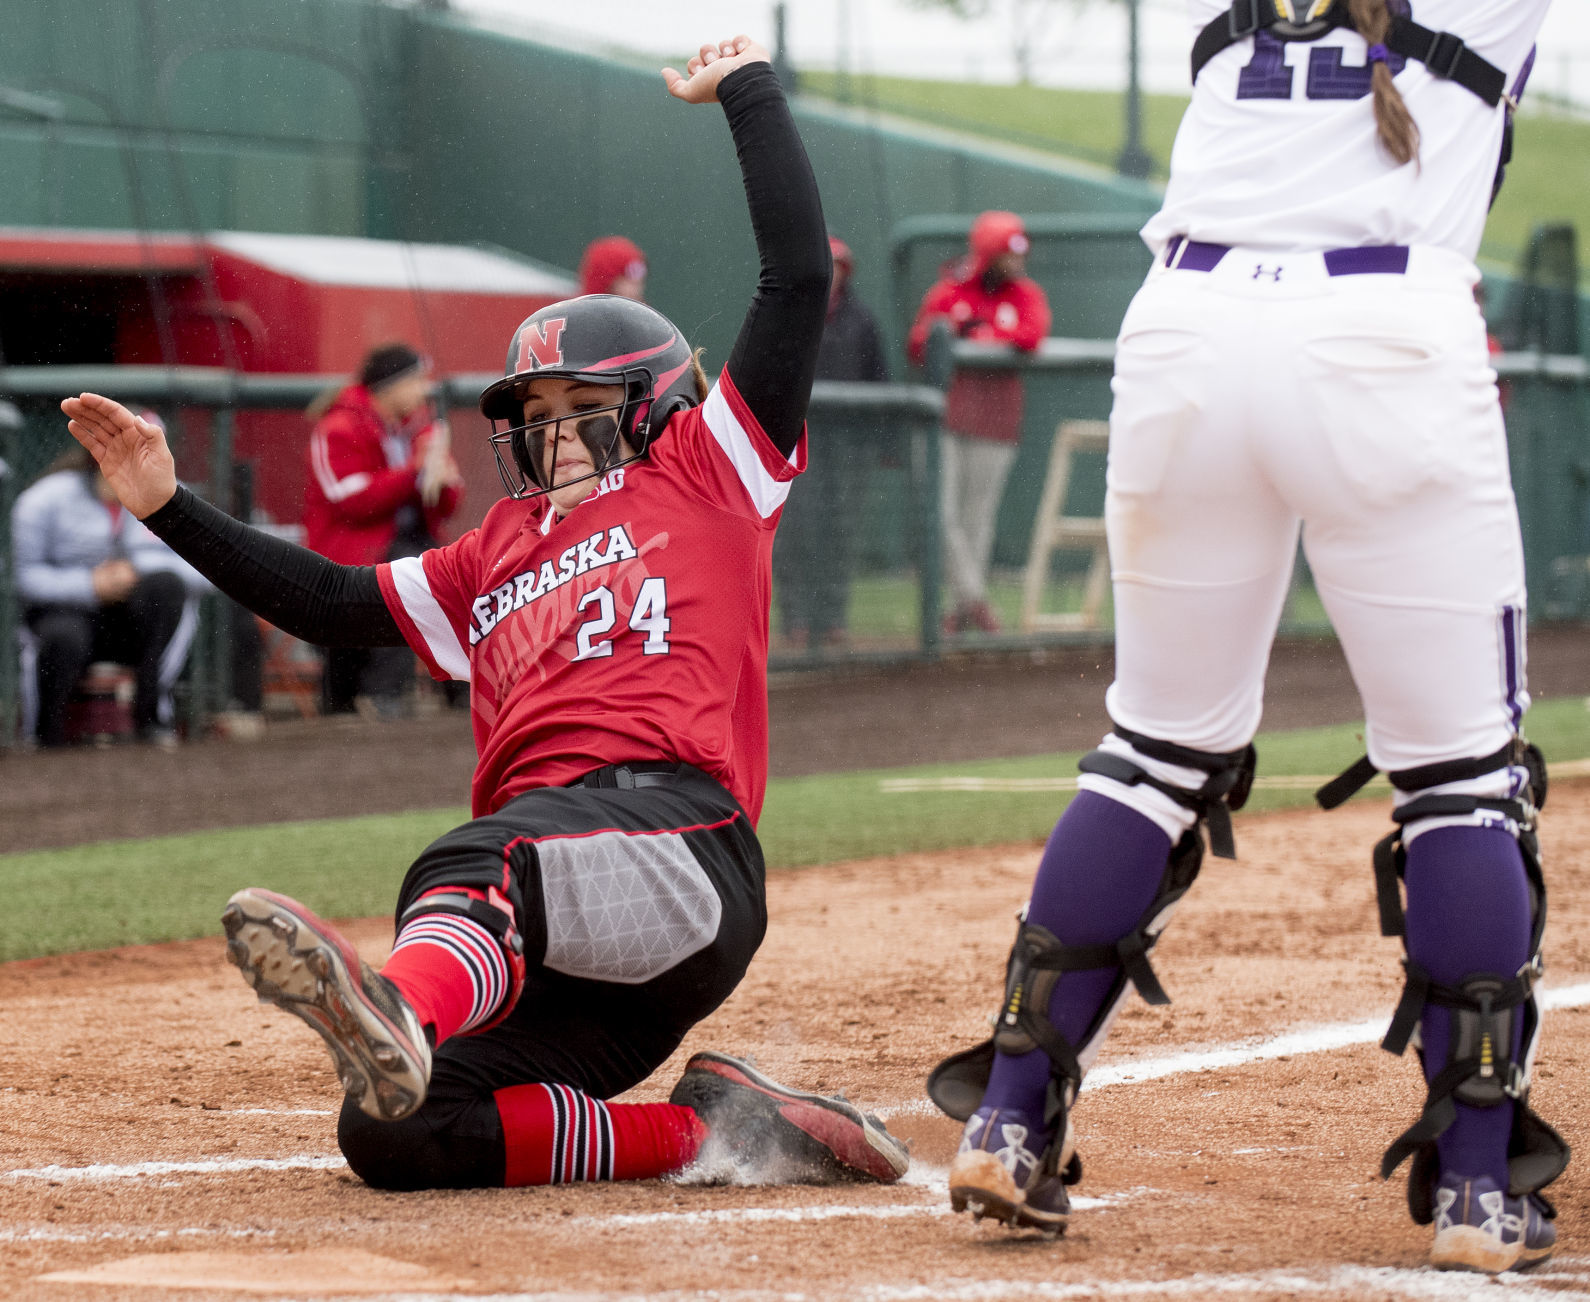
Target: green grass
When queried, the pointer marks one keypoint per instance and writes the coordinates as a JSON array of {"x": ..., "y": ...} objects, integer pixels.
[
  {"x": 1548, "y": 180},
  {"x": 1077, "y": 123},
  {"x": 171, "y": 888}
]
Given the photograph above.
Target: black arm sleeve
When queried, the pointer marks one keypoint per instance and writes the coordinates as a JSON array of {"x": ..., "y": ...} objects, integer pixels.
[
  {"x": 774, "y": 358},
  {"x": 300, "y": 592}
]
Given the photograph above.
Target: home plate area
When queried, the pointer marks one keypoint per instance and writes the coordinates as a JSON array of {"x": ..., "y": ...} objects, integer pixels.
[{"x": 160, "y": 1132}]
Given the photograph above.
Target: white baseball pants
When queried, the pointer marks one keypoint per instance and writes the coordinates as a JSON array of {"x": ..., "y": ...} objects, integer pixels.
[{"x": 1266, "y": 397}]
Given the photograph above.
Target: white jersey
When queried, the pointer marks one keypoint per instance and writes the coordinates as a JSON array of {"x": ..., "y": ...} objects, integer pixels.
[{"x": 1278, "y": 149}]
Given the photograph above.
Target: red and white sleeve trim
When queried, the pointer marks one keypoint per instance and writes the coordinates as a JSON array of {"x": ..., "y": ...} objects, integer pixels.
[
  {"x": 334, "y": 488},
  {"x": 425, "y": 625},
  {"x": 764, "y": 471}
]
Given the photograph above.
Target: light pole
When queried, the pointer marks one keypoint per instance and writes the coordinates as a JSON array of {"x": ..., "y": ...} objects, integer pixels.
[{"x": 1135, "y": 161}]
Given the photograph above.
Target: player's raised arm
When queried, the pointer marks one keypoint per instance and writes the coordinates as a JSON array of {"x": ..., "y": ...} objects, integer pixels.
[
  {"x": 131, "y": 453},
  {"x": 774, "y": 358},
  {"x": 300, "y": 592}
]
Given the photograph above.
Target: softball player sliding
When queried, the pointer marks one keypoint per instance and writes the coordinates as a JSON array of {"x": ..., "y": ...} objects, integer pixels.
[
  {"x": 611, "y": 617},
  {"x": 1306, "y": 356}
]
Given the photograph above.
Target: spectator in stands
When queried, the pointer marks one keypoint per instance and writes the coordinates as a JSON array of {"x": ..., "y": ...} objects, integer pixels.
[
  {"x": 94, "y": 584},
  {"x": 985, "y": 296},
  {"x": 613, "y": 265},
  {"x": 382, "y": 481},
  {"x": 813, "y": 555}
]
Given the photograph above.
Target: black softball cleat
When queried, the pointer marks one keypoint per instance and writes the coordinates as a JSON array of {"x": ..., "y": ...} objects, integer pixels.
[
  {"x": 307, "y": 968},
  {"x": 774, "y": 1134}
]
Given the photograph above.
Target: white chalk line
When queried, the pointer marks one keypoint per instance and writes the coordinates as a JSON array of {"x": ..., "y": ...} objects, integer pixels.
[
  {"x": 53, "y": 1234},
  {"x": 1314, "y": 1039},
  {"x": 138, "y": 1170},
  {"x": 975, "y": 785},
  {"x": 1279, "y": 782},
  {"x": 1347, "y": 1282},
  {"x": 831, "y": 1212}
]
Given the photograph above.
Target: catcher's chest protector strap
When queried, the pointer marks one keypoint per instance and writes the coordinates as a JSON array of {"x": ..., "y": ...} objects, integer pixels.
[
  {"x": 1443, "y": 53},
  {"x": 1227, "y": 786}
]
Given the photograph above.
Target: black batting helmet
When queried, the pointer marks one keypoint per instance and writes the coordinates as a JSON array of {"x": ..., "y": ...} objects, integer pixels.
[{"x": 594, "y": 339}]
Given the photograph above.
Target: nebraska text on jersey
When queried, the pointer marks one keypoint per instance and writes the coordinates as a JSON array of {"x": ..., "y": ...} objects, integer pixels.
[
  {"x": 632, "y": 628},
  {"x": 588, "y": 554}
]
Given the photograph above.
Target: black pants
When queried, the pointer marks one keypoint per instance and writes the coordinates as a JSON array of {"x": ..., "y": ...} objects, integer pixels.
[
  {"x": 247, "y": 652},
  {"x": 383, "y": 673},
  {"x": 640, "y": 911},
  {"x": 134, "y": 632}
]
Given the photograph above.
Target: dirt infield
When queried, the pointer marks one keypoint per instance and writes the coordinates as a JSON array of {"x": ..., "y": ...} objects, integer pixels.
[{"x": 159, "y": 1126}]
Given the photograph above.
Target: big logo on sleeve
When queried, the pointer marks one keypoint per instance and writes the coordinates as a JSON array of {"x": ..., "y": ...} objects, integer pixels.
[{"x": 541, "y": 344}]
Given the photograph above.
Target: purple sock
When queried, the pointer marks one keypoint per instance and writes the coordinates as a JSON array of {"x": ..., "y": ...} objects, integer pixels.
[
  {"x": 1099, "y": 872},
  {"x": 1468, "y": 913}
]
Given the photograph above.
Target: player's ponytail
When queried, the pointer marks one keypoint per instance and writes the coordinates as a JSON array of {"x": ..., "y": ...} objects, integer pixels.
[{"x": 1398, "y": 133}]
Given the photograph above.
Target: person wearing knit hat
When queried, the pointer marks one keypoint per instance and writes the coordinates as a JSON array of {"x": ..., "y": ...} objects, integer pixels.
[
  {"x": 388, "y": 364},
  {"x": 985, "y": 296},
  {"x": 613, "y": 265},
  {"x": 381, "y": 484}
]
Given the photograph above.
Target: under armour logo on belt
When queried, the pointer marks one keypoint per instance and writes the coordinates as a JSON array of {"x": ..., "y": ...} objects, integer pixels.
[{"x": 1259, "y": 270}]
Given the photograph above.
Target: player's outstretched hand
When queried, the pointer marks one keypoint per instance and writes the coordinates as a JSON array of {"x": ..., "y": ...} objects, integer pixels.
[
  {"x": 131, "y": 453},
  {"x": 712, "y": 65}
]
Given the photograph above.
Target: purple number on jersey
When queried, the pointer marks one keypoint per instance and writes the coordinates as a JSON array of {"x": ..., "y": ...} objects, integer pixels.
[
  {"x": 1328, "y": 79},
  {"x": 1265, "y": 75}
]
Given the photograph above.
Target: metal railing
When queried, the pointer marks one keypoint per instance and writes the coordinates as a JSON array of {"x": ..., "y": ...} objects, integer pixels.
[
  {"x": 1549, "y": 432},
  {"x": 911, "y": 410}
]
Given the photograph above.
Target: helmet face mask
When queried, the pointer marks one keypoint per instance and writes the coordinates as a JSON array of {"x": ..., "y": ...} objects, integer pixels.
[
  {"x": 598, "y": 339},
  {"x": 524, "y": 471}
]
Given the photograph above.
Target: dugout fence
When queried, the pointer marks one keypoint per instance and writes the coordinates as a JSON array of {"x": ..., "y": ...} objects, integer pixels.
[
  {"x": 887, "y": 432},
  {"x": 864, "y": 535}
]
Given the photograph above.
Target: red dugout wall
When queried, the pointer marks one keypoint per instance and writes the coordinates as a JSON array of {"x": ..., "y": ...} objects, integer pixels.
[{"x": 283, "y": 304}]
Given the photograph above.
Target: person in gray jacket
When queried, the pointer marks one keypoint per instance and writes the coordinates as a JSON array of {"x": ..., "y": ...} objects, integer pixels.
[{"x": 94, "y": 584}]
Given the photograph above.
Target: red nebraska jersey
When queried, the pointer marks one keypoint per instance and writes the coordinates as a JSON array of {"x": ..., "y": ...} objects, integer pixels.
[{"x": 633, "y": 628}]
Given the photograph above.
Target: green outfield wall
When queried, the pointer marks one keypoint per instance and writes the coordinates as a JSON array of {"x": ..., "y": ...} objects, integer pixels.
[{"x": 355, "y": 118}]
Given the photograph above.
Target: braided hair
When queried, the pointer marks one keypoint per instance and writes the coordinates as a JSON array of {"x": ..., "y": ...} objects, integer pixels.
[{"x": 1399, "y": 135}]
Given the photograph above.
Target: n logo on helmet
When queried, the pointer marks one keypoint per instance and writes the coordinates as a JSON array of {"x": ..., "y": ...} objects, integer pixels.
[{"x": 541, "y": 344}]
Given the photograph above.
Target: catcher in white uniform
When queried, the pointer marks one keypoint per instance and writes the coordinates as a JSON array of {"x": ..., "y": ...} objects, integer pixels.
[{"x": 1306, "y": 356}]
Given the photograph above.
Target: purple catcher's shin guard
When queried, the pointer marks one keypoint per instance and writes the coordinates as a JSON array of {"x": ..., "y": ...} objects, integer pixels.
[
  {"x": 1468, "y": 913},
  {"x": 1102, "y": 867}
]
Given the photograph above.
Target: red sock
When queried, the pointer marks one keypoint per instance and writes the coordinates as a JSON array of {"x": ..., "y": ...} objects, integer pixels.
[
  {"x": 435, "y": 984},
  {"x": 554, "y": 1134},
  {"x": 450, "y": 969}
]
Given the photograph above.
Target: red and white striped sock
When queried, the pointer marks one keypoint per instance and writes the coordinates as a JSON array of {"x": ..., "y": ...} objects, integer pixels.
[
  {"x": 555, "y": 1134},
  {"x": 451, "y": 970}
]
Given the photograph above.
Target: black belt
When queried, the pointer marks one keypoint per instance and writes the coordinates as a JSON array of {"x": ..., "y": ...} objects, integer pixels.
[{"x": 626, "y": 777}]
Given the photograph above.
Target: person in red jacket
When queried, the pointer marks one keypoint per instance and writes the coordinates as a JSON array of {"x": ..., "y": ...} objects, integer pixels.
[
  {"x": 613, "y": 265},
  {"x": 381, "y": 483},
  {"x": 986, "y": 296}
]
